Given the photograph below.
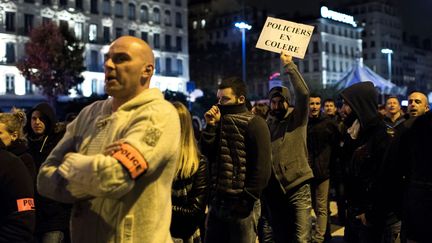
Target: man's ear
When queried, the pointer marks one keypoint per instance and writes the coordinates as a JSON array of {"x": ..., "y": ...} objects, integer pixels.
[
  {"x": 242, "y": 99},
  {"x": 14, "y": 136},
  {"x": 148, "y": 70}
]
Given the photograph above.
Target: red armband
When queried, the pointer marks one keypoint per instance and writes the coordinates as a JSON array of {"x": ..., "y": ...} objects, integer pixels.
[
  {"x": 131, "y": 159},
  {"x": 25, "y": 204}
]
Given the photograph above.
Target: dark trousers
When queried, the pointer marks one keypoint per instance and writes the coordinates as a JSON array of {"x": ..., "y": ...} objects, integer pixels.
[
  {"x": 265, "y": 232},
  {"x": 356, "y": 232},
  {"x": 223, "y": 226}
]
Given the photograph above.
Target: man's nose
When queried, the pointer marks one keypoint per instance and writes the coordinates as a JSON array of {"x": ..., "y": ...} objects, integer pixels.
[{"x": 108, "y": 64}]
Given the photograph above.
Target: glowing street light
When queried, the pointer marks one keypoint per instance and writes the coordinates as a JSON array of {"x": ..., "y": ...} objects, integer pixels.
[
  {"x": 243, "y": 27},
  {"x": 389, "y": 52}
]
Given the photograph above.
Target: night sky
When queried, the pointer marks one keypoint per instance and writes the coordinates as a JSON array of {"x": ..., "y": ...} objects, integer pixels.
[{"x": 415, "y": 13}]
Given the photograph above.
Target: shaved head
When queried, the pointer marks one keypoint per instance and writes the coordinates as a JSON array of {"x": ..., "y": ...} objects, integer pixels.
[
  {"x": 144, "y": 50},
  {"x": 418, "y": 104},
  {"x": 129, "y": 66}
]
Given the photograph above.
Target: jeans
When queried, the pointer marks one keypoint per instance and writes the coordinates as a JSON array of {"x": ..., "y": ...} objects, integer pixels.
[
  {"x": 289, "y": 213},
  {"x": 320, "y": 191},
  {"x": 52, "y": 237},
  {"x": 222, "y": 226},
  {"x": 265, "y": 232}
]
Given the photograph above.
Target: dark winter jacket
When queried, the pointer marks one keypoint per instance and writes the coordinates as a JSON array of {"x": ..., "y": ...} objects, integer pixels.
[
  {"x": 238, "y": 150},
  {"x": 189, "y": 200},
  {"x": 288, "y": 135},
  {"x": 51, "y": 215},
  {"x": 364, "y": 155},
  {"x": 414, "y": 152},
  {"x": 17, "y": 212},
  {"x": 415, "y": 163},
  {"x": 19, "y": 148},
  {"x": 323, "y": 140}
]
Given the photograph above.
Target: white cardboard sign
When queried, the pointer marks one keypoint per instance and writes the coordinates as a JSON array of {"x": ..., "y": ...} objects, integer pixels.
[{"x": 280, "y": 35}]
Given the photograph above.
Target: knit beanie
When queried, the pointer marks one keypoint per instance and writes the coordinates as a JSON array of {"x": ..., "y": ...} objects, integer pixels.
[{"x": 280, "y": 91}]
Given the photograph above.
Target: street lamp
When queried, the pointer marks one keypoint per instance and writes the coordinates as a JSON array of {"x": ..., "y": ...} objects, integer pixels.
[
  {"x": 389, "y": 52},
  {"x": 243, "y": 27}
]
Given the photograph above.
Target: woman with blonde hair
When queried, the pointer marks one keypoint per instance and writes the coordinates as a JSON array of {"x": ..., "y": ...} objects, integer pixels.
[
  {"x": 189, "y": 189},
  {"x": 13, "y": 138}
]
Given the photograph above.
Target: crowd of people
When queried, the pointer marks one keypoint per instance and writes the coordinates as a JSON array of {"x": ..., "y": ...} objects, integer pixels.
[{"x": 135, "y": 168}]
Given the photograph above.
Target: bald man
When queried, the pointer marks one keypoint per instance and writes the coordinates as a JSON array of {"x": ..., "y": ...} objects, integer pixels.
[
  {"x": 418, "y": 104},
  {"x": 118, "y": 158}
]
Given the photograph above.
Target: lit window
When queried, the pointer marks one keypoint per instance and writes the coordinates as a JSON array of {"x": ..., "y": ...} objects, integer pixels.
[
  {"x": 94, "y": 86},
  {"x": 93, "y": 33},
  {"x": 78, "y": 30}
]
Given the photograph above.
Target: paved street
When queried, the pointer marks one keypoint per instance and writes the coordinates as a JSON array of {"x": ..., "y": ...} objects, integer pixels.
[{"x": 337, "y": 231}]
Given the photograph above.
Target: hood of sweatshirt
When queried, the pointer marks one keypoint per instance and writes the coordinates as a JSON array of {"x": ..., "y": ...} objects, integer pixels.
[
  {"x": 48, "y": 118},
  {"x": 363, "y": 99}
]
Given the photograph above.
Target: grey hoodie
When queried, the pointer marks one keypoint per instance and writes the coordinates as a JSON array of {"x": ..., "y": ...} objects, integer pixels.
[{"x": 288, "y": 136}]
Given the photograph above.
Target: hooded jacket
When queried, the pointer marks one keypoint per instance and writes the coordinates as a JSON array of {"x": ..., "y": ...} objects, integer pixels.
[
  {"x": 364, "y": 155},
  {"x": 50, "y": 215},
  {"x": 288, "y": 135}
]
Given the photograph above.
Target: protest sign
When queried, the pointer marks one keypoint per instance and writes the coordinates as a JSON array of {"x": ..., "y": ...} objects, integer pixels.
[{"x": 280, "y": 35}]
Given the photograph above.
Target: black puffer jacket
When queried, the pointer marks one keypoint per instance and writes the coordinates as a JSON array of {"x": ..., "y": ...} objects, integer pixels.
[
  {"x": 16, "y": 188},
  {"x": 189, "y": 200},
  {"x": 364, "y": 155},
  {"x": 322, "y": 140},
  {"x": 51, "y": 215},
  {"x": 239, "y": 157}
]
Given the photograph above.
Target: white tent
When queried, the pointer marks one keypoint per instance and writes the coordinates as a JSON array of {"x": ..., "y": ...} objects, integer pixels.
[{"x": 361, "y": 73}]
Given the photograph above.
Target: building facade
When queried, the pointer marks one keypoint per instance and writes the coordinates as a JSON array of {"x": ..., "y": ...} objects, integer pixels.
[
  {"x": 410, "y": 63},
  {"x": 382, "y": 30},
  {"x": 162, "y": 23},
  {"x": 216, "y": 45},
  {"x": 334, "y": 48}
]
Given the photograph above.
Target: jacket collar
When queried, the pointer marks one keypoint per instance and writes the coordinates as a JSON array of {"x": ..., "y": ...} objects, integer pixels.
[{"x": 232, "y": 109}]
